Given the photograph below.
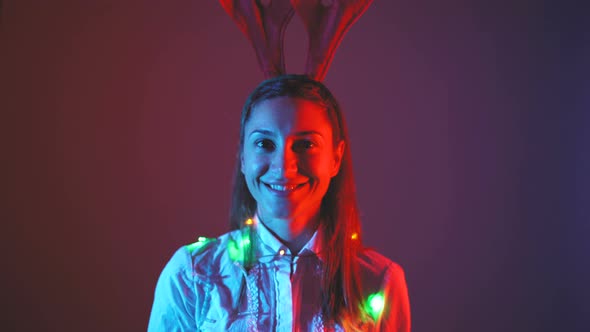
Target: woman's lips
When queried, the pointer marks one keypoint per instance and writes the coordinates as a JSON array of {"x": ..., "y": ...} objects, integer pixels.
[{"x": 284, "y": 189}]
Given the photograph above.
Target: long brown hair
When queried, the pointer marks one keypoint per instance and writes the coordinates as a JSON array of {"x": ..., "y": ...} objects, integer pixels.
[{"x": 341, "y": 284}]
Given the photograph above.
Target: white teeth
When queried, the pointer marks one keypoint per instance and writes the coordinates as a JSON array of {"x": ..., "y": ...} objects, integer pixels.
[{"x": 281, "y": 188}]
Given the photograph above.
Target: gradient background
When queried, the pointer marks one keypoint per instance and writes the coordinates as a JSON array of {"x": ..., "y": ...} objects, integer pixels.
[{"x": 469, "y": 123}]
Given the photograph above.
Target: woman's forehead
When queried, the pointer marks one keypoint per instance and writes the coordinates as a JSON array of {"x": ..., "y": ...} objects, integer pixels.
[{"x": 289, "y": 114}]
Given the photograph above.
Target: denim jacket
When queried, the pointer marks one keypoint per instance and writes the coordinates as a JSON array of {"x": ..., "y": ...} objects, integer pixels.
[{"x": 204, "y": 287}]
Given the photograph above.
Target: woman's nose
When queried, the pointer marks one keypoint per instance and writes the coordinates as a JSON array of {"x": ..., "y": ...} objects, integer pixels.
[{"x": 284, "y": 162}]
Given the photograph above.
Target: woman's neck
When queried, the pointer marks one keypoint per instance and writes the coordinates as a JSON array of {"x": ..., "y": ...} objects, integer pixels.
[{"x": 293, "y": 232}]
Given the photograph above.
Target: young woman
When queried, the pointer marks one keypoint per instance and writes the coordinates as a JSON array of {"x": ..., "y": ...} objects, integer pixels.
[{"x": 294, "y": 260}]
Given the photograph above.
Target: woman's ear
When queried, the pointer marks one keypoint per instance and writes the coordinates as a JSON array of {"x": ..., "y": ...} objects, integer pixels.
[{"x": 338, "y": 153}]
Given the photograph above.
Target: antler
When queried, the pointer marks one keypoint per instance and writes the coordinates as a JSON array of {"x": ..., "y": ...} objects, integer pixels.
[
  {"x": 264, "y": 23},
  {"x": 326, "y": 21}
]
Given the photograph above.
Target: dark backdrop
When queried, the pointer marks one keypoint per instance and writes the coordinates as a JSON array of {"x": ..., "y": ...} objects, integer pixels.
[{"x": 469, "y": 123}]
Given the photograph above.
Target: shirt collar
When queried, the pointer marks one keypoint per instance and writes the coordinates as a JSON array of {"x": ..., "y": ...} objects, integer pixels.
[{"x": 272, "y": 245}]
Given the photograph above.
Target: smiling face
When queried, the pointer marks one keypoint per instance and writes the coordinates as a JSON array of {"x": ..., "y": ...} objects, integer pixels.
[{"x": 289, "y": 157}]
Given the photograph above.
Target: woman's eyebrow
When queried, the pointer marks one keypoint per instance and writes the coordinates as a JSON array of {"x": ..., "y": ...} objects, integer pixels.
[
  {"x": 308, "y": 132},
  {"x": 300, "y": 133},
  {"x": 262, "y": 131}
]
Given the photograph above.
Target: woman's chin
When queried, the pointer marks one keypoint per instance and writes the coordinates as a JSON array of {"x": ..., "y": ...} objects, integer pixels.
[{"x": 278, "y": 213}]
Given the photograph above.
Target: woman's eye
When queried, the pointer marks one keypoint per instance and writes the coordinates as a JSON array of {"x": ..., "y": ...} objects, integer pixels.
[
  {"x": 304, "y": 145},
  {"x": 265, "y": 144}
]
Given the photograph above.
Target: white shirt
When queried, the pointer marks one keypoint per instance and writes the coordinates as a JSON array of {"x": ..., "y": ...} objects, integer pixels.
[{"x": 204, "y": 287}]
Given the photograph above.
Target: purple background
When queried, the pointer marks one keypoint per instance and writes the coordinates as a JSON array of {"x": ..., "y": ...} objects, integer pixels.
[{"x": 469, "y": 123}]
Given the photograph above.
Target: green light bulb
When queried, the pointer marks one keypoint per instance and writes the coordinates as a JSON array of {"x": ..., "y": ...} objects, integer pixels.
[
  {"x": 200, "y": 244},
  {"x": 237, "y": 249},
  {"x": 375, "y": 305}
]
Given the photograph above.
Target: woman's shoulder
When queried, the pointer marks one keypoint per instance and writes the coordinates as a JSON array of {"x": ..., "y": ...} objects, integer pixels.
[
  {"x": 374, "y": 263},
  {"x": 204, "y": 255},
  {"x": 385, "y": 290}
]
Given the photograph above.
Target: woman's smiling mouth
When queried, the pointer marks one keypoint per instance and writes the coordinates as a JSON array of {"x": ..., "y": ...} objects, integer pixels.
[{"x": 283, "y": 189}]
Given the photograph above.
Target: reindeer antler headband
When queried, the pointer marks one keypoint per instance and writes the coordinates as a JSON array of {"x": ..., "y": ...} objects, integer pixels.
[{"x": 264, "y": 23}]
